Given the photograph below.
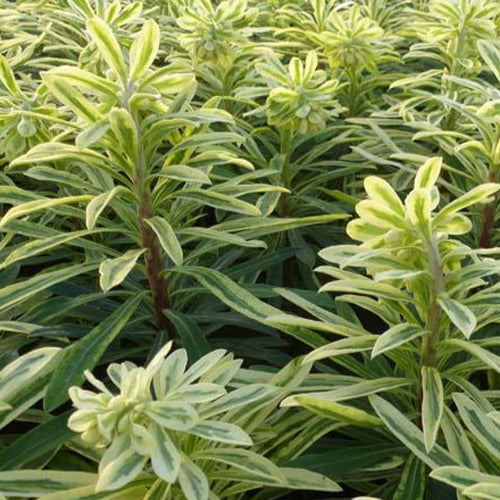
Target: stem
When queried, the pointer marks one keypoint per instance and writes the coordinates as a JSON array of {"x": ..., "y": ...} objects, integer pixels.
[
  {"x": 353, "y": 91},
  {"x": 433, "y": 321},
  {"x": 152, "y": 257},
  {"x": 488, "y": 217},
  {"x": 285, "y": 153}
]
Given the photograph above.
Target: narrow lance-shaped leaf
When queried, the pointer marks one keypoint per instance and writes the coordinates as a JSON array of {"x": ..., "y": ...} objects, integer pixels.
[
  {"x": 7, "y": 77},
  {"x": 108, "y": 46},
  {"x": 491, "y": 55},
  {"x": 86, "y": 352},
  {"x": 97, "y": 205},
  {"x": 74, "y": 99},
  {"x": 485, "y": 429},
  {"x": 194, "y": 483},
  {"x": 432, "y": 405},
  {"x": 37, "y": 205},
  {"x": 395, "y": 337},
  {"x": 461, "y": 316},
  {"x": 114, "y": 271},
  {"x": 167, "y": 238},
  {"x": 144, "y": 49},
  {"x": 476, "y": 195}
]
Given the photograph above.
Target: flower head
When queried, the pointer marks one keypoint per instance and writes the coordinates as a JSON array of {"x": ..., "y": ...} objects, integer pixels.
[{"x": 302, "y": 98}]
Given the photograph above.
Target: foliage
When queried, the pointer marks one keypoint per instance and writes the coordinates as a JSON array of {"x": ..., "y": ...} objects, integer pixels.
[{"x": 173, "y": 172}]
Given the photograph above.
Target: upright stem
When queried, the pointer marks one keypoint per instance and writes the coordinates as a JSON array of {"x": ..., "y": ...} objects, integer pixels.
[
  {"x": 433, "y": 321},
  {"x": 488, "y": 217},
  {"x": 285, "y": 152},
  {"x": 157, "y": 282}
]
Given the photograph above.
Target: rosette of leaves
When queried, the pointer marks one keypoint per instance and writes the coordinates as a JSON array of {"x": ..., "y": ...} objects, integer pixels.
[
  {"x": 122, "y": 19},
  {"x": 433, "y": 293},
  {"x": 302, "y": 98},
  {"x": 214, "y": 33},
  {"x": 454, "y": 27},
  {"x": 168, "y": 419},
  {"x": 354, "y": 43}
]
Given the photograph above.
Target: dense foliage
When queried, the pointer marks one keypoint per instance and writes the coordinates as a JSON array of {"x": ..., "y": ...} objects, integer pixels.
[{"x": 249, "y": 249}]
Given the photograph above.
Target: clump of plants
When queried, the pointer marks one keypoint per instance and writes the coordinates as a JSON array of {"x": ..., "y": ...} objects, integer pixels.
[{"x": 249, "y": 249}]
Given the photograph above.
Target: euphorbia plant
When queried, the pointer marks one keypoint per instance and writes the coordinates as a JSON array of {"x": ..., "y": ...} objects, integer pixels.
[
  {"x": 432, "y": 292},
  {"x": 141, "y": 143},
  {"x": 186, "y": 426}
]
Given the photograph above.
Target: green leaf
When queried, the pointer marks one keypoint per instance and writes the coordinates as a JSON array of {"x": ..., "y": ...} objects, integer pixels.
[
  {"x": 218, "y": 200},
  {"x": 491, "y": 55},
  {"x": 13, "y": 295},
  {"x": 483, "y": 491},
  {"x": 37, "y": 247},
  {"x": 432, "y": 405},
  {"x": 381, "y": 191},
  {"x": 97, "y": 205},
  {"x": 418, "y": 207},
  {"x": 124, "y": 128},
  {"x": 35, "y": 443},
  {"x": 428, "y": 173},
  {"x": 476, "y": 195},
  {"x": 221, "y": 432},
  {"x": 193, "y": 481},
  {"x": 120, "y": 471},
  {"x": 37, "y": 205},
  {"x": 488, "y": 358},
  {"x": 378, "y": 214},
  {"x": 412, "y": 482},
  {"x": 409, "y": 434},
  {"x": 462, "y": 477},
  {"x": 308, "y": 480},
  {"x": 25, "y": 385},
  {"x": 7, "y": 77},
  {"x": 184, "y": 173},
  {"x": 242, "y": 301},
  {"x": 91, "y": 134},
  {"x": 221, "y": 237},
  {"x": 165, "y": 459},
  {"x": 70, "y": 96},
  {"x": 242, "y": 396},
  {"x": 366, "y": 287},
  {"x": 86, "y": 352},
  {"x": 190, "y": 335},
  {"x": 33, "y": 483},
  {"x": 108, "y": 46},
  {"x": 114, "y": 271},
  {"x": 167, "y": 238},
  {"x": 461, "y": 316},
  {"x": 336, "y": 411},
  {"x": 245, "y": 460},
  {"x": 395, "y": 337},
  {"x": 144, "y": 49},
  {"x": 355, "y": 390},
  {"x": 339, "y": 347},
  {"x": 457, "y": 440},
  {"x": 479, "y": 423},
  {"x": 208, "y": 139}
]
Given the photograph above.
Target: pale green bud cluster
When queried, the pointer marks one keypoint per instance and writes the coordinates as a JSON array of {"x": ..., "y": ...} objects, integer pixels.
[
  {"x": 457, "y": 25},
  {"x": 384, "y": 219},
  {"x": 353, "y": 42},
  {"x": 302, "y": 99},
  {"x": 212, "y": 33},
  {"x": 154, "y": 409}
]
